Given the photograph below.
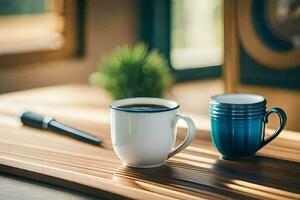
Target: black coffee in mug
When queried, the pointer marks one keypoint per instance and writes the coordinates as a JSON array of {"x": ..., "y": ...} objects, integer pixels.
[{"x": 143, "y": 108}]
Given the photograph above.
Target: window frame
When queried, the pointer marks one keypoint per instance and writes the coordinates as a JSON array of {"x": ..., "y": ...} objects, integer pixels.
[
  {"x": 155, "y": 30},
  {"x": 74, "y": 16}
]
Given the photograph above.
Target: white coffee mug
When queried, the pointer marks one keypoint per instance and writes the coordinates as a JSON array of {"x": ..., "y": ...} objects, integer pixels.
[{"x": 146, "y": 138}]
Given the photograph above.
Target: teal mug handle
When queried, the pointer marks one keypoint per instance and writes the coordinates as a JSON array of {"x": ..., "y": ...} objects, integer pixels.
[{"x": 282, "y": 122}]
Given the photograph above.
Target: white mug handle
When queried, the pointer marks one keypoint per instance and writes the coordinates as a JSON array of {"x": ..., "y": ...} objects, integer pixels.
[{"x": 189, "y": 136}]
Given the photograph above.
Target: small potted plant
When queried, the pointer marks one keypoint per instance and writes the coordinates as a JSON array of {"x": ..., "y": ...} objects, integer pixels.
[{"x": 133, "y": 72}]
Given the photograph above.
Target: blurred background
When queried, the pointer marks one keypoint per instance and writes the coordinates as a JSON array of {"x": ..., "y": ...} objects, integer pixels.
[{"x": 211, "y": 47}]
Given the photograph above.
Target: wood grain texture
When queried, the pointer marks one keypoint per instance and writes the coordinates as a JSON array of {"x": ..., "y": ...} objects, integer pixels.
[
  {"x": 17, "y": 188},
  {"x": 196, "y": 173}
]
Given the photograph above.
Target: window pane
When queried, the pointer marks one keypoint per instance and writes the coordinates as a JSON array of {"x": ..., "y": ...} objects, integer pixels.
[
  {"x": 196, "y": 33},
  {"x": 31, "y": 25}
]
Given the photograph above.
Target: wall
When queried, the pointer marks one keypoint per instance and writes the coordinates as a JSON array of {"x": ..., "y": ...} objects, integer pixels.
[{"x": 108, "y": 24}]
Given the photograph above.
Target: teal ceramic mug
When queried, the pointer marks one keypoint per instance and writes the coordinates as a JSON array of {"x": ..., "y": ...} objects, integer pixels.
[{"x": 237, "y": 131}]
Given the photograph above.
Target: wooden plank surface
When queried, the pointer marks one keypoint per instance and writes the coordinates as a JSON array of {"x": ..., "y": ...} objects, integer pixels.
[
  {"x": 196, "y": 173},
  {"x": 18, "y": 188}
]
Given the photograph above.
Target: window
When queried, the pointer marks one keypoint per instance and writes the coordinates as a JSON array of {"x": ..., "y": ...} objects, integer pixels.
[
  {"x": 38, "y": 30},
  {"x": 188, "y": 32},
  {"x": 196, "y": 33}
]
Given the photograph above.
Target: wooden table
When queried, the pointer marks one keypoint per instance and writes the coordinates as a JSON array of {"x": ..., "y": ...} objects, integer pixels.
[{"x": 196, "y": 173}]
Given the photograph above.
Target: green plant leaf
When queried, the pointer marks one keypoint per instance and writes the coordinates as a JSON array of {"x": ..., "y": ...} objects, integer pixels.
[{"x": 133, "y": 72}]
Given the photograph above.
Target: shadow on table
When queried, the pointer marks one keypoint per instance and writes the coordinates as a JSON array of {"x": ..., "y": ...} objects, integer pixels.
[{"x": 257, "y": 177}]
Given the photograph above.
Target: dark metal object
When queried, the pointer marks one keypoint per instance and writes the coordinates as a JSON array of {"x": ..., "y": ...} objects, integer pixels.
[{"x": 49, "y": 123}]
